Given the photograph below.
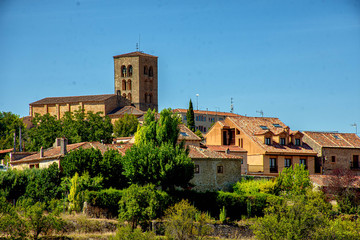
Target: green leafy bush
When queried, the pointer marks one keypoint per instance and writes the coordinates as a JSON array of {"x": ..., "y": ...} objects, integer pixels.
[
  {"x": 139, "y": 204},
  {"x": 127, "y": 233},
  {"x": 254, "y": 186},
  {"x": 107, "y": 198}
]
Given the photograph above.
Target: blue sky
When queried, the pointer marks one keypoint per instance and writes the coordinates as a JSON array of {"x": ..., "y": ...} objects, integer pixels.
[{"x": 295, "y": 60}]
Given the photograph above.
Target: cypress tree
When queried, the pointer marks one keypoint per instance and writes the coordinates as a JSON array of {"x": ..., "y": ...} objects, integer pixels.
[{"x": 190, "y": 117}]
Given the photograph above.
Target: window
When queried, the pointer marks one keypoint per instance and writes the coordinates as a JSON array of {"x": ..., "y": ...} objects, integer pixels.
[
  {"x": 151, "y": 72},
  {"x": 145, "y": 70},
  {"x": 336, "y": 136},
  {"x": 287, "y": 162},
  {"x": 220, "y": 169},
  {"x": 267, "y": 141},
  {"x": 303, "y": 162},
  {"x": 273, "y": 166},
  {"x": 129, "y": 84},
  {"x": 277, "y": 125},
  {"x": 282, "y": 141},
  {"x": 204, "y": 129},
  {"x": 237, "y": 131},
  {"x": 333, "y": 159},
  {"x": 264, "y": 127},
  {"x": 197, "y": 118},
  {"x": 297, "y": 141},
  {"x": 197, "y": 168},
  {"x": 242, "y": 161},
  {"x": 220, "y": 119},
  {"x": 129, "y": 97},
  {"x": 123, "y": 71},
  {"x": 130, "y": 71},
  {"x": 123, "y": 85},
  {"x": 185, "y": 118},
  {"x": 124, "y": 95},
  {"x": 184, "y": 134}
]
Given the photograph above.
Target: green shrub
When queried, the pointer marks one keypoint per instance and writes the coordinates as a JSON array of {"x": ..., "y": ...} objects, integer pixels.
[
  {"x": 139, "y": 204},
  {"x": 254, "y": 186},
  {"x": 107, "y": 198},
  {"x": 127, "y": 233},
  {"x": 184, "y": 221}
]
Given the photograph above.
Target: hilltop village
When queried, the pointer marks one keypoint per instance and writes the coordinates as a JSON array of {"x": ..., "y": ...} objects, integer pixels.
[
  {"x": 233, "y": 145},
  {"x": 229, "y": 165}
]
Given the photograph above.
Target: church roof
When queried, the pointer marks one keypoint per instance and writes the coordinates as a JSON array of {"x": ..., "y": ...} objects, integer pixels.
[
  {"x": 73, "y": 99},
  {"x": 184, "y": 111},
  {"x": 135, "y": 54},
  {"x": 127, "y": 109}
]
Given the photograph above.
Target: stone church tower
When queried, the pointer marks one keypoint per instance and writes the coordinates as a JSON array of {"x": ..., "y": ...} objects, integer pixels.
[{"x": 136, "y": 78}]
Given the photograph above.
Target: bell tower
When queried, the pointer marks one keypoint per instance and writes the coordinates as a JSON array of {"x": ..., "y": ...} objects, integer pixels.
[{"x": 136, "y": 79}]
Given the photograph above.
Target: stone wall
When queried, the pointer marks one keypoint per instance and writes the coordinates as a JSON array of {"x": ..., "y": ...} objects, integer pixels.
[{"x": 208, "y": 177}]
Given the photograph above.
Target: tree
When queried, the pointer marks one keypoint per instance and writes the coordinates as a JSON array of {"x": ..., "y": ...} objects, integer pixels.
[
  {"x": 183, "y": 221},
  {"x": 293, "y": 181},
  {"x": 190, "y": 118},
  {"x": 342, "y": 185},
  {"x": 10, "y": 124},
  {"x": 11, "y": 224},
  {"x": 46, "y": 129},
  {"x": 82, "y": 160},
  {"x": 111, "y": 168},
  {"x": 126, "y": 126},
  {"x": 141, "y": 204},
  {"x": 156, "y": 157},
  {"x": 100, "y": 128}
]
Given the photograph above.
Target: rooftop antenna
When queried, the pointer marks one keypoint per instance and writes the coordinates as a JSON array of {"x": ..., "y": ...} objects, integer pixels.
[
  {"x": 137, "y": 47},
  {"x": 232, "y": 106},
  {"x": 354, "y": 125},
  {"x": 261, "y": 113}
]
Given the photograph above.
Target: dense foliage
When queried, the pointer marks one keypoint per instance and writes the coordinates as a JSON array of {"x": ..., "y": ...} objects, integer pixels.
[
  {"x": 126, "y": 126},
  {"x": 156, "y": 158},
  {"x": 76, "y": 127},
  {"x": 10, "y": 124}
]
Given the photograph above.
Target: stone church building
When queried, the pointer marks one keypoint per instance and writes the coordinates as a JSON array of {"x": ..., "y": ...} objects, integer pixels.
[{"x": 136, "y": 88}]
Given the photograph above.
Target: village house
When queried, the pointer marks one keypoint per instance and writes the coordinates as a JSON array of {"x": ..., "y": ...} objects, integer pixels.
[
  {"x": 335, "y": 150},
  {"x": 214, "y": 170},
  {"x": 204, "y": 119},
  {"x": 271, "y": 146}
]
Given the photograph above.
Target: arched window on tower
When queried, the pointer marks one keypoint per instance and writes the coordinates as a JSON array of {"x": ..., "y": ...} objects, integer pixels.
[
  {"x": 129, "y": 84},
  {"x": 151, "y": 72},
  {"x": 124, "y": 95},
  {"x": 145, "y": 70},
  {"x": 123, "y": 71},
  {"x": 123, "y": 85},
  {"x": 129, "y": 97},
  {"x": 130, "y": 71},
  {"x": 146, "y": 97},
  {"x": 150, "y": 98}
]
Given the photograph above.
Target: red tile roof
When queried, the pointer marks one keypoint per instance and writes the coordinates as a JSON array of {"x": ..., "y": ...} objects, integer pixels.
[
  {"x": 223, "y": 148},
  {"x": 54, "y": 152},
  {"x": 251, "y": 127},
  {"x": 202, "y": 153},
  {"x": 186, "y": 134},
  {"x": 73, "y": 99},
  {"x": 6, "y": 150},
  {"x": 127, "y": 109},
  {"x": 180, "y": 110},
  {"x": 332, "y": 139},
  {"x": 134, "y": 54}
]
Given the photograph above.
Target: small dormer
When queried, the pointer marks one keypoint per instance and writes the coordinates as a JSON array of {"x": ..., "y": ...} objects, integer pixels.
[
  {"x": 282, "y": 138},
  {"x": 296, "y": 138}
]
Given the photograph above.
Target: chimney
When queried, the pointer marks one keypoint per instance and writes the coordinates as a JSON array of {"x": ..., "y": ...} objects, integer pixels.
[
  {"x": 63, "y": 143},
  {"x": 41, "y": 152}
]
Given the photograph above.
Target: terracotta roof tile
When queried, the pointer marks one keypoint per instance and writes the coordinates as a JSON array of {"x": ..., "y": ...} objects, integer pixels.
[
  {"x": 202, "y": 153},
  {"x": 332, "y": 139},
  {"x": 186, "y": 134},
  {"x": 6, "y": 150},
  {"x": 73, "y": 99},
  {"x": 252, "y": 127},
  {"x": 127, "y": 109},
  {"x": 134, "y": 54},
  {"x": 227, "y": 114},
  {"x": 223, "y": 148}
]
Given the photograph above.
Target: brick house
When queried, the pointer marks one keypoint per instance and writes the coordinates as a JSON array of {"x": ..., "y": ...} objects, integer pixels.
[
  {"x": 271, "y": 146},
  {"x": 335, "y": 150}
]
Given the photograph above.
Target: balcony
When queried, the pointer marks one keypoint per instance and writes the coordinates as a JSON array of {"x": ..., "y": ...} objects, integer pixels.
[{"x": 273, "y": 169}]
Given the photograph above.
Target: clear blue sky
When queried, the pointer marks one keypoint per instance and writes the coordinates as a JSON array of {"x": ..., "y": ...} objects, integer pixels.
[{"x": 295, "y": 60}]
